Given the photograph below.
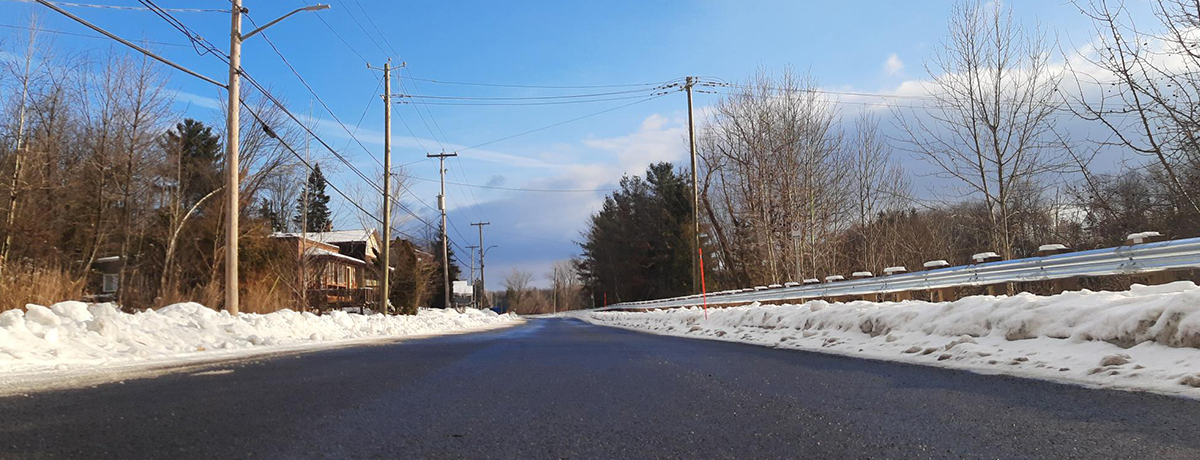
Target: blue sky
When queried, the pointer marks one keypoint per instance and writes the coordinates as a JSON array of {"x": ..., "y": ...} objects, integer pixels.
[{"x": 872, "y": 46}]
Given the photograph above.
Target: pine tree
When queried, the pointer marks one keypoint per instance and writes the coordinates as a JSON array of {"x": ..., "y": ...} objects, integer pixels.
[
  {"x": 318, "y": 204},
  {"x": 198, "y": 162},
  {"x": 438, "y": 282},
  {"x": 638, "y": 246}
]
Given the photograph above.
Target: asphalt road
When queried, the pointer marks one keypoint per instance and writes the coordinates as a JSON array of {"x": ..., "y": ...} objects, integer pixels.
[{"x": 565, "y": 389}]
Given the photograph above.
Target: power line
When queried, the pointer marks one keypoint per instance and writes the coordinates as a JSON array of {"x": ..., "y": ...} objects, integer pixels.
[
  {"x": 540, "y": 103},
  {"x": 254, "y": 83},
  {"x": 127, "y": 43},
  {"x": 311, "y": 168},
  {"x": 519, "y": 189},
  {"x": 343, "y": 40},
  {"x": 522, "y": 98},
  {"x": 372, "y": 22},
  {"x": 313, "y": 92},
  {"x": 364, "y": 29},
  {"x": 502, "y": 85},
  {"x": 124, "y": 8},
  {"x": 183, "y": 28},
  {"x": 101, "y": 37},
  {"x": 554, "y": 125},
  {"x": 250, "y": 79}
]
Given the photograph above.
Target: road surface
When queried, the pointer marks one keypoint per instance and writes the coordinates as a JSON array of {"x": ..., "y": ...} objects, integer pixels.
[{"x": 558, "y": 388}]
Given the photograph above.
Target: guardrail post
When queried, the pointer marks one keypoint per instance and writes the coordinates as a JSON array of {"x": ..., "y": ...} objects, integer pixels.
[
  {"x": 943, "y": 295},
  {"x": 997, "y": 289},
  {"x": 1062, "y": 285},
  {"x": 1162, "y": 277}
]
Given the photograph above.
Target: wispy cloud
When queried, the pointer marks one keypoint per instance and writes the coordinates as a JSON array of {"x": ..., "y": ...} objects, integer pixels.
[{"x": 893, "y": 65}]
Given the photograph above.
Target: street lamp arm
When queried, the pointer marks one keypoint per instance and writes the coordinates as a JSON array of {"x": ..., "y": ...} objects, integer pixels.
[{"x": 316, "y": 7}]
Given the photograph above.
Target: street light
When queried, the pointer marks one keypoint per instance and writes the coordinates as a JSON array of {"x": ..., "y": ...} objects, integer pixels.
[
  {"x": 317, "y": 7},
  {"x": 232, "y": 171}
]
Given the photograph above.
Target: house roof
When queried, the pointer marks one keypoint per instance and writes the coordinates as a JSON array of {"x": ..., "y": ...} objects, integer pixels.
[
  {"x": 318, "y": 252},
  {"x": 340, "y": 236}
]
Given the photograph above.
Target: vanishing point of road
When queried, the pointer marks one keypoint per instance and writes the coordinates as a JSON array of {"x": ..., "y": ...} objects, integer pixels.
[{"x": 560, "y": 388}]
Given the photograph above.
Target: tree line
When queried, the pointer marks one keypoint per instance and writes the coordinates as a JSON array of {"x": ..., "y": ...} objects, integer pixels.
[{"x": 792, "y": 188}]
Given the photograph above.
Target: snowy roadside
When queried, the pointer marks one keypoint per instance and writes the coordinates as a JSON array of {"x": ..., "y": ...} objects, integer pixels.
[
  {"x": 1145, "y": 339},
  {"x": 85, "y": 341}
]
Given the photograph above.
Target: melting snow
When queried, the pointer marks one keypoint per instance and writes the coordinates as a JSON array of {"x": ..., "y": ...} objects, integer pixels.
[{"x": 1147, "y": 338}]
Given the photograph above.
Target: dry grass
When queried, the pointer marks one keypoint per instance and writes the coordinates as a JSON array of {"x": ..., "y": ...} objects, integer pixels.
[
  {"x": 267, "y": 296},
  {"x": 24, "y": 284}
]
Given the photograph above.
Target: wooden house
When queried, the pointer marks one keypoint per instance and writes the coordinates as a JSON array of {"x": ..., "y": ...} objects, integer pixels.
[{"x": 339, "y": 267}]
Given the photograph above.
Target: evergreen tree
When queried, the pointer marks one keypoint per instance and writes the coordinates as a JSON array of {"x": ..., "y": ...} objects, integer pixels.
[
  {"x": 638, "y": 246},
  {"x": 437, "y": 281},
  {"x": 318, "y": 204},
  {"x": 199, "y": 157}
]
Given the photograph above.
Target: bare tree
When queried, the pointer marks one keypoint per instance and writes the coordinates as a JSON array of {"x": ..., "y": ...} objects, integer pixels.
[
  {"x": 773, "y": 159},
  {"x": 516, "y": 285},
  {"x": 1147, "y": 95},
  {"x": 878, "y": 184},
  {"x": 24, "y": 74},
  {"x": 565, "y": 286},
  {"x": 989, "y": 124}
]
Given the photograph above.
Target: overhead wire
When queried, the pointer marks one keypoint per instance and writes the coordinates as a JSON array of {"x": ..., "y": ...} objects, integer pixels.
[
  {"x": 554, "y": 125},
  {"x": 250, "y": 79},
  {"x": 501, "y": 85},
  {"x": 101, "y": 37},
  {"x": 521, "y": 189},
  {"x": 123, "y": 7},
  {"x": 210, "y": 48}
]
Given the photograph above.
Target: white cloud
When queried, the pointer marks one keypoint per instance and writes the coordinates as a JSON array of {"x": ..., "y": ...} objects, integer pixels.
[{"x": 893, "y": 65}]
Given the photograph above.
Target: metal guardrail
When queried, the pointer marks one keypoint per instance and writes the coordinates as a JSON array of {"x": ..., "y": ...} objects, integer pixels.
[{"x": 1121, "y": 260}]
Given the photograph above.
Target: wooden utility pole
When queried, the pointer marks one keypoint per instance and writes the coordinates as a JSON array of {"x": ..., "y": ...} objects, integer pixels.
[
  {"x": 304, "y": 229},
  {"x": 232, "y": 172},
  {"x": 442, "y": 207},
  {"x": 384, "y": 284},
  {"x": 482, "y": 278},
  {"x": 691, "y": 81}
]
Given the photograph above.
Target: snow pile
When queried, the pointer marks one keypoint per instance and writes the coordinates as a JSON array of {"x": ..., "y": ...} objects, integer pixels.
[
  {"x": 76, "y": 334},
  {"x": 1147, "y": 338}
]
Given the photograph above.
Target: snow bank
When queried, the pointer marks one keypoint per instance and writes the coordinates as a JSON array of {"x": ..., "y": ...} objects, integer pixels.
[
  {"x": 75, "y": 334},
  {"x": 1147, "y": 338}
]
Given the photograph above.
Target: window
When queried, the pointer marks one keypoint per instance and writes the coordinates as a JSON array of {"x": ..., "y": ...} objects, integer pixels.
[{"x": 109, "y": 283}]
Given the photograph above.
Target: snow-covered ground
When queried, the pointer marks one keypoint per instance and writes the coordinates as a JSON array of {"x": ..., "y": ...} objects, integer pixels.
[
  {"x": 74, "y": 336},
  {"x": 1147, "y": 338}
]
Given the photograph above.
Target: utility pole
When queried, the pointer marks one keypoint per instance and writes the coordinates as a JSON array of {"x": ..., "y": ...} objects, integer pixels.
[
  {"x": 482, "y": 251},
  {"x": 232, "y": 171},
  {"x": 387, "y": 186},
  {"x": 232, "y": 175},
  {"x": 474, "y": 299},
  {"x": 691, "y": 81},
  {"x": 304, "y": 229},
  {"x": 554, "y": 296},
  {"x": 442, "y": 207}
]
